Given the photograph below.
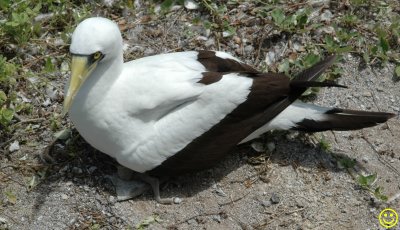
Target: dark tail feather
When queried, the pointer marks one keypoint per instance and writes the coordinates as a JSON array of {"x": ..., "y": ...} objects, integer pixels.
[
  {"x": 300, "y": 83},
  {"x": 306, "y": 84},
  {"x": 342, "y": 119}
]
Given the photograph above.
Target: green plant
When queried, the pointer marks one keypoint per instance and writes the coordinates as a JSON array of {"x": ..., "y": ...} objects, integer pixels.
[
  {"x": 18, "y": 27},
  {"x": 11, "y": 197},
  {"x": 219, "y": 22},
  {"x": 148, "y": 221},
  {"x": 324, "y": 144},
  {"x": 295, "y": 22},
  {"x": 347, "y": 163},
  {"x": 7, "y": 95},
  {"x": 366, "y": 182}
]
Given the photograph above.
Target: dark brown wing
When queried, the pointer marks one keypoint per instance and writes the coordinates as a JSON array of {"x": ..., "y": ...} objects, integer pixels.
[
  {"x": 213, "y": 63},
  {"x": 270, "y": 94},
  {"x": 208, "y": 149}
]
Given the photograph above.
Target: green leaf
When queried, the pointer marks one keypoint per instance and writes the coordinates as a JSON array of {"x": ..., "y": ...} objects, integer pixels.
[
  {"x": 367, "y": 181},
  {"x": 3, "y": 97},
  {"x": 207, "y": 24},
  {"x": 166, "y": 6},
  {"x": 5, "y": 4},
  {"x": 11, "y": 197},
  {"x": 324, "y": 144},
  {"x": 310, "y": 60},
  {"x": 302, "y": 20},
  {"x": 222, "y": 9},
  {"x": 6, "y": 115},
  {"x": 384, "y": 44},
  {"x": 344, "y": 49},
  {"x": 347, "y": 163},
  {"x": 329, "y": 41},
  {"x": 378, "y": 194},
  {"x": 366, "y": 57},
  {"x": 278, "y": 16},
  {"x": 48, "y": 66},
  {"x": 284, "y": 67},
  {"x": 397, "y": 71},
  {"x": 148, "y": 221},
  {"x": 95, "y": 227}
]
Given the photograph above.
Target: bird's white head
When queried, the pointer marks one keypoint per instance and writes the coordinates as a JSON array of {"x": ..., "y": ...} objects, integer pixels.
[
  {"x": 94, "y": 40},
  {"x": 96, "y": 35}
]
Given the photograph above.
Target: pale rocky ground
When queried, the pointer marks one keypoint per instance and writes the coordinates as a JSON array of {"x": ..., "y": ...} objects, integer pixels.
[{"x": 296, "y": 186}]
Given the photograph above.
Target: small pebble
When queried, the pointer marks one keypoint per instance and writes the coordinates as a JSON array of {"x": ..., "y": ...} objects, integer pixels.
[
  {"x": 72, "y": 221},
  {"x": 249, "y": 49},
  {"x": 258, "y": 147},
  {"x": 64, "y": 196},
  {"x": 237, "y": 39},
  {"x": 266, "y": 203},
  {"x": 92, "y": 169},
  {"x": 201, "y": 38},
  {"x": 270, "y": 58},
  {"x": 77, "y": 170},
  {"x": 275, "y": 198},
  {"x": 64, "y": 67},
  {"x": 109, "y": 3},
  {"x": 177, "y": 200},
  {"x": 23, "y": 97},
  {"x": 217, "y": 218},
  {"x": 59, "y": 42},
  {"x": 24, "y": 158},
  {"x": 112, "y": 220},
  {"x": 191, "y": 5},
  {"x": 326, "y": 16},
  {"x": 220, "y": 192},
  {"x": 367, "y": 94},
  {"x": 210, "y": 42},
  {"x": 47, "y": 102},
  {"x": 3, "y": 220},
  {"x": 226, "y": 34},
  {"x": 192, "y": 222},
  {"x": 14, "y": 146},
  {"x": 43, "y": 17}
]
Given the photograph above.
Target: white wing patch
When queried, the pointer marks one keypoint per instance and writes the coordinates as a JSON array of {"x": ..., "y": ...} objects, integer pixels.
[
  {"x": 287, "y": 119},
  {"x": 177, "y": 129},
  {"x": 226, "y": 56}
]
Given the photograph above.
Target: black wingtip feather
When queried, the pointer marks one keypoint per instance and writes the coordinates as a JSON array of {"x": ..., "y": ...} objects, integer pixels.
[
  {"x": 308, "y": 78},
  {"x": 342, "y": 120},
  {"x": 307, "y": 84}
]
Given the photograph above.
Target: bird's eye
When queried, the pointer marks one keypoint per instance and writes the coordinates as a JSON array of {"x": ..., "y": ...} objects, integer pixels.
[{"x": 97, "y": 55}]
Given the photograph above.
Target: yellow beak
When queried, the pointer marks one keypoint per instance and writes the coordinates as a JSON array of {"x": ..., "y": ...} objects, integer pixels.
[{"x": 80, "y": 70}]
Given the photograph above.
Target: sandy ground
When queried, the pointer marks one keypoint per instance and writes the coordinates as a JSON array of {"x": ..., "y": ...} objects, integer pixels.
[{"x": 297, "y": 185}]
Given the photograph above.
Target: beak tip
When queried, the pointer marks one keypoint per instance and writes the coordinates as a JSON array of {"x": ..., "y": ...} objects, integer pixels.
[{"x": 66, "y": 107}]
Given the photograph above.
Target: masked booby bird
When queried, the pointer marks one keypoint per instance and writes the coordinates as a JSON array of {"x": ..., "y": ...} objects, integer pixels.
[{"x": 182, "y": 112}]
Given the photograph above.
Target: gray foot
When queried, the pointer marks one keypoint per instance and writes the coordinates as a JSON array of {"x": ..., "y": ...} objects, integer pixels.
[
  {"x": 155, "y": 184},
  {"x": 128, "y": 189},
  {"x": 129, "y": 184}
]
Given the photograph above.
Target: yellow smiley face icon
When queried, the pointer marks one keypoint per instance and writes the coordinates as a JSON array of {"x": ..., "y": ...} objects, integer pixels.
[{"x": 388, "y": 218}]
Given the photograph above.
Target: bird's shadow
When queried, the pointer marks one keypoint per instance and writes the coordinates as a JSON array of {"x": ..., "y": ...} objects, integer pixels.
[{"x": 77, "y": 162}]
